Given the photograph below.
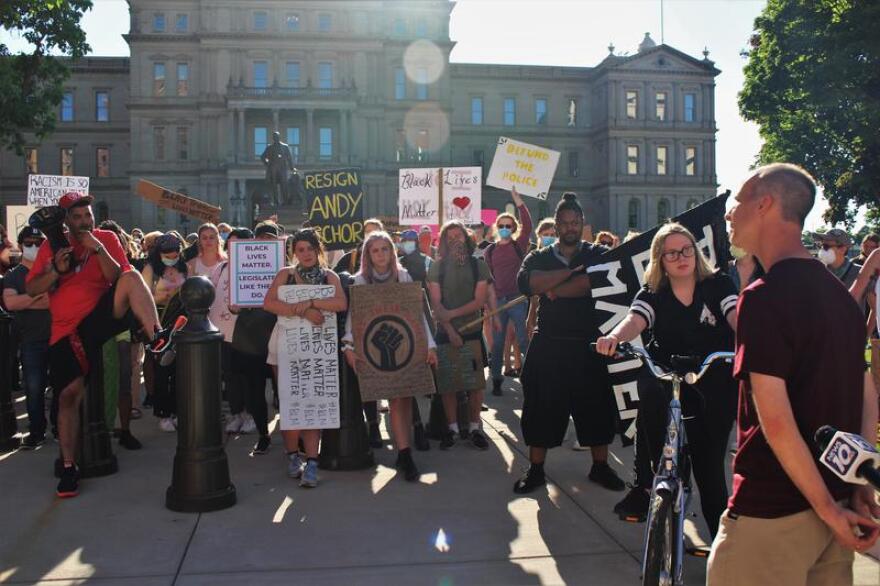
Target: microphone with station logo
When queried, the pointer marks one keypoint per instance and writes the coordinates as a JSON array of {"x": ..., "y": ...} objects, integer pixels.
[{"x": 849, "y": 456}]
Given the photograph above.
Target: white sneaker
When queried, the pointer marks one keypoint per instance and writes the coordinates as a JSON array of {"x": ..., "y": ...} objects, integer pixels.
[
  {"x": 233, "y": 424},
  {"x": 247, "y": 424},
  {"x": 166, "y": 424}
]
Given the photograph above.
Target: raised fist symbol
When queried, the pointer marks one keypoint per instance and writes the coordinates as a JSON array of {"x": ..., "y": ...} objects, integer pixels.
[{"x": 387, "y": 340}]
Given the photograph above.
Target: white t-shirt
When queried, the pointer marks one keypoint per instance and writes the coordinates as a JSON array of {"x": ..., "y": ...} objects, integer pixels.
[{"x": 219, "y": 313}]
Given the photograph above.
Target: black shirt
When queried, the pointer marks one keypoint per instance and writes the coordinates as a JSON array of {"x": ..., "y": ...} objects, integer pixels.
[
  {"x": 695, "y": 330},
  {"x": 32, "y": 325},
  {"x": 569, "y": 317}
]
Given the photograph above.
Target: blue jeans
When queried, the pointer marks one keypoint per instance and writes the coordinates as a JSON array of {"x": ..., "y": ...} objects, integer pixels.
[
  {"x": 35, "y": 368},
  {"x": 516, "y": 314}
]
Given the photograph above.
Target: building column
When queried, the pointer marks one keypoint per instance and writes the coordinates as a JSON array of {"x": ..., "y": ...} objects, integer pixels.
[
  {"x": 275, "y": 126},
  {"x": 230, "y": 141},
  {"x": 242, "y": 139},
  {"x": 309, "y": 142},
  {"x": 343, "y": 136}
]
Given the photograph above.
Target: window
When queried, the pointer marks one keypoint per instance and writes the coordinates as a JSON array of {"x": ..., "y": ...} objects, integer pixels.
[
  {"x": 183, "y": 79},
  {"x": 102, "y": 162},
  {"x": 160, "y": 216},
  {"x": 158, "y": 23},
  {"x": 181, "y": 25},
  {"x": 541, "y": 112},
  {"x": 478, "y": 157},
  {"x": 573, "y": 163},
  {"x": 293, "y": 143},
  {"x": 572, "y": 112},
  {"x": 399, "y": 27},
  {"x": 31, "y": 160},
  {"x": 690, "y": 107},
  {"x": 476, "y": 111},
  {"x": 261, "y": 140},
  {"x": 632, "y": 105},
  {"x": 158, "y": 79},
  {"x": 400, "y": 146},
  {"x": 692, "y": 203},
  {"x": 399, "y": 83},
  {"x": 632, "y": 160},
  {"x": 325, "y": 149},
  {"x": 422, "y": 146},
  {"x": 662, "y": 157},
  {"x": 261, "y": 74},
  {"x": 325, "y": 22},
  {"x": 261, "y": 20},
  {"x": 292, "y": 21},
  {"x": 690, "y": 161},
  {"x": 660, "y": 108},
  {"x": 102, "y": 106},
  {"x": 509, "y": 111},
  {"x": 662, "y": 210},
  {"x": 182, "y": 143},
  {"x": 159, "y": 143},
  {"x": 421, "y": 29},
  {"x": 421, "y": 83},
  {"x": 292, "y": 71},
  {"x": 67, "y": 107},
  {"x": 634, "y": 210},
  {"x": 67, "y": 161},
  {"x": 325, "y": 75}
]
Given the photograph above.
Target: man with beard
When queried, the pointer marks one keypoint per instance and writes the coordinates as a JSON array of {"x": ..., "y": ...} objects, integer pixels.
[
  {"x": 562, "y": 378},
  {"x": 93, "y": 295}
]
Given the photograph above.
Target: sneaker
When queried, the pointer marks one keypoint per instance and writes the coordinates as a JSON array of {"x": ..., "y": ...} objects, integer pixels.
[
  {"x": 420, "y": 438},
  {"x": 247, "y": 424},
  {"x": 532, "y": 479},
  {"x": 406, "y": 465},
  {"x": 605, "y": 476},
  {"x": 309, "y": 475},
  {"x": 479, "y": 440},
  {"x": 262, "y": 446},
  {"x": 447, "y": 440},
  {"x": 375, "y": 436},
  {"x": 496, "y": 386},
  {"x": 634, "y": 506},
  {"x": 32, "y": 442},
  {"x": 167, "y": 424},
  {"x": 294, "y": 465},
  {"x": 233, "y": 424},
  {"x": 128, "y": 441},
  {"x": 68, "y": 485}
]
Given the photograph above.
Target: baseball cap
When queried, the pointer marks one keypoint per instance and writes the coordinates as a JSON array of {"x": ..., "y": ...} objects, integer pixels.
[
  {"x": 72, "y": 199},
  {"x": 834, "y": 236},
  {"x": 29, "y": 232},
  {"x": 270, "y": 228},
  {"x": 168, "y": 243},
  {"x": 409, "y": 235}
]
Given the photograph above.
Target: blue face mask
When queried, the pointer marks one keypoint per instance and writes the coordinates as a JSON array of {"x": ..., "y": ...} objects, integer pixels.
[
  {"x": 504, "y": 232},
  {"x": 547, "y": 241},
  {"x": 224, "y": 236},
  {"x": 169, "y": 262},
  {"x": 408, "y": 247}
]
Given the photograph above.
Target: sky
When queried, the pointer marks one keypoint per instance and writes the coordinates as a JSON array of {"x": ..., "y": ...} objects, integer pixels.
[{"x": 576, "y": 33}]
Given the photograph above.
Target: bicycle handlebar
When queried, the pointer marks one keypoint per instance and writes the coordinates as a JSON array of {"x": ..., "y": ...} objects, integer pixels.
[{"x": 627, "y": 349}]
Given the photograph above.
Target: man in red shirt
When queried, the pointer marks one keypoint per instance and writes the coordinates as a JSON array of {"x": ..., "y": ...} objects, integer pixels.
[
  {"x": 93, "y": 296},
  {"x": 800, "y": 360}
]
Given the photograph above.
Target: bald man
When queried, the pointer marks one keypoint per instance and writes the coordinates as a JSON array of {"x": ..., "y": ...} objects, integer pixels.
[{"x": 800, "y": 362}]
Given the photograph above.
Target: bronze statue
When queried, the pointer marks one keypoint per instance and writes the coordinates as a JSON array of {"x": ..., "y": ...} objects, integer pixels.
[{"x": 278, "y": 162}]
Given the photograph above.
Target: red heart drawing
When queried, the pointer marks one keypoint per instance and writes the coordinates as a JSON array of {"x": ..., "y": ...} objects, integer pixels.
[{"x": 461, "y": 202}]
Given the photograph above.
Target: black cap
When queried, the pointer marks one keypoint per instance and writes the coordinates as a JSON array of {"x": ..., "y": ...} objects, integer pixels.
[
  {"x": 29, "y": 232},
  {"x": 270, "y": 228}
]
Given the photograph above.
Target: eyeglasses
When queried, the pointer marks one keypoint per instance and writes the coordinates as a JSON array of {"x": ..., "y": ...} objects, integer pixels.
[
  {"x": 508, "y": 226},
  {"x": 674, "y": 255}
]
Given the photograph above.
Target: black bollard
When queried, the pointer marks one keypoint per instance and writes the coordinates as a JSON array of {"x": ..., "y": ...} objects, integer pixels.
[
  {"x": 437, "y": 422},
  {"x": 200, "y": 481},
  {"x": 8, "y": 427},
  {"x": 348, "y": 447}
]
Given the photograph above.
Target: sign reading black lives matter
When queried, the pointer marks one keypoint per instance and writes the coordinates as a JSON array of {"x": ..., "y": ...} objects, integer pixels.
[
  {"x": 335, "y": 201},
  {"x": 619, "y": 276},
  {"x": 389, "y": 337}
]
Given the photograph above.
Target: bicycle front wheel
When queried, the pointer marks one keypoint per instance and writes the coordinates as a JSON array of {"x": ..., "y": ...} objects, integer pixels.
[{"x": 659, "y": 550}]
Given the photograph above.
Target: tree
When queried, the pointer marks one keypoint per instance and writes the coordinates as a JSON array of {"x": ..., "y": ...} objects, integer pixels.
[
  {"x": 31, "y": 83},
  {"x": 812, "y": 83}
]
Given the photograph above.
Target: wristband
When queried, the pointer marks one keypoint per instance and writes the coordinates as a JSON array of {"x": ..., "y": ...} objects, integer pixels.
[
  {"x": 99, "y": 249},
  {"x": 347, "y": 347}
]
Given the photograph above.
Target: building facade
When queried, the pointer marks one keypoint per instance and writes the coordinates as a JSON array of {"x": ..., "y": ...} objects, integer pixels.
[{"x": 368, "y": 84}]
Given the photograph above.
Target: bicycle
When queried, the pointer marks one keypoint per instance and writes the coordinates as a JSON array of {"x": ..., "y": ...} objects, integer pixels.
[{"x": 662, "y": 561}]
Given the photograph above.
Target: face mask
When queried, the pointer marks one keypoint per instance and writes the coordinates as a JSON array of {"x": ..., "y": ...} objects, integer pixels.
[
  {"x": 29, "y": 253},
  {"x": 224, "y": 236},
  {"x": 547, "y": 241},
  {"x": 504, "y": 232},
  {"x": 169, "y": 262},
  {"x": 737, "y": 252},
  {"x": 826, "y": 257},
  {"x": 408, "y": 247}
]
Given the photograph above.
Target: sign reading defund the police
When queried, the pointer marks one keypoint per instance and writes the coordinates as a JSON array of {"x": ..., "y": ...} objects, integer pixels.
[
  {"x": 335, "y": 201},
  {"x": 46, "y": 190},
  {"x": 618, "y": 277},
  {"x": 527, "y": 167},
  {"x": 308, "y": 364},
  {"x": 253, "y": 265}
]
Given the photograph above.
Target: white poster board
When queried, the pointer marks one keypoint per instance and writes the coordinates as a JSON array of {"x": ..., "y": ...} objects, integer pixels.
[
  {"x": 419, "y": 195},
  {"x": 17, "y": 218},
  {"x": 253, "y": 265},
  {"x": 308, "y": 364},
  {"x": 527, "y": 167},
  {"x": 462, "y": 194},
  {"x": 46, "y": 190}
]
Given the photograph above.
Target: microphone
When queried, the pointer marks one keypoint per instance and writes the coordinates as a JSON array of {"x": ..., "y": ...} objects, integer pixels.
[{"x": 849, "y": 456}]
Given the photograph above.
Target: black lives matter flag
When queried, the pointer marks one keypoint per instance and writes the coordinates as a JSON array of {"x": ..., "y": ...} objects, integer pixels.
[{"x": 621, "y": 274}]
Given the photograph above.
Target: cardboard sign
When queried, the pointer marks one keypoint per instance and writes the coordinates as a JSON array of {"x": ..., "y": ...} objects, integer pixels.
[
  {"x": 17, "y": 218},
  {"x": 525, "y": 166},
  {"x": 171, "y": 200},
  {"x": 46, "y": 190},
  {"x": 308, "y": 364},
  {"x": 335, "y": 201},
  {"x": 253, "y": 265},
  {"x": 419, "y": 195},
  {"x": 462, "y": 194},
  {"x": 389, "y": 335}
]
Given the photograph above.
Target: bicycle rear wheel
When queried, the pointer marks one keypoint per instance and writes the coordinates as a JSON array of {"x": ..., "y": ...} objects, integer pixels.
[{"x": 659, "y": 562}]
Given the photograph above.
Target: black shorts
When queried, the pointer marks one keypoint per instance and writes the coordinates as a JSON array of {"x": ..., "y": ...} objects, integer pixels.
[
  {"x": 564, "y": 379},
  {"x": 71, "y": 356}
]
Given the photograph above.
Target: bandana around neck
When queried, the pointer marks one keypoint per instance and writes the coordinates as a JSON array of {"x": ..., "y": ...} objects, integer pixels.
[{"x": 310, "y": 276}]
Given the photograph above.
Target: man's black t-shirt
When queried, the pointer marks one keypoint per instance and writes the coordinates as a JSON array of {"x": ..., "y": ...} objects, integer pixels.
[
  {"x": 32, "y": 325},
  {"x": 563, "y": 317},
  {"x": 695, "y": 330}
]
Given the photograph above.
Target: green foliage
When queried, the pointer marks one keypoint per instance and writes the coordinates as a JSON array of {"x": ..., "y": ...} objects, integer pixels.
[
  {"x": 812, "y": 83},
  {"x": 31, "y": 83}
]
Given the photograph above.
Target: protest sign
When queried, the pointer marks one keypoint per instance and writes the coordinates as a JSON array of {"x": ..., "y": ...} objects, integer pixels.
[
  {"x": 389, "y": 336},
  {"x": 620, "y": 274},
  {"x": 308, "y": 364},
  {"x": 335, "y": 200},
  {"x": 462, "y": 194},
  {"x": 17, "y": 218},
  {"x": 418, "y": 196},
  {"x": 46, "y": 190},
  {"x": 171, "y": 200},
  {"x": 253, "y": 265},
  {"x": 525, "y": 166}
]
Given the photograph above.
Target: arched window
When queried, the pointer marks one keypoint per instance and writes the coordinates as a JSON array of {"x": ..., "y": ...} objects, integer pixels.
[
  {"x": 634, "y": 212},
  {"x": 662, "y": 210},
  {"x": 692, "y": 203}
]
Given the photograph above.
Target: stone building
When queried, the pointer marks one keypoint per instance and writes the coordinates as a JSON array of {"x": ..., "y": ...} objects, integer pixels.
[{"x": 369, "y": 84}]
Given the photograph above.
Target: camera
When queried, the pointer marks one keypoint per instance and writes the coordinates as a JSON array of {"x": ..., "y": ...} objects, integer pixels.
[{"x": 50, "y": 221}]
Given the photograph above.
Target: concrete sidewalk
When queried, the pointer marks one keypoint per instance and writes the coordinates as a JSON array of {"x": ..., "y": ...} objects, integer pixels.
[{"x": 365, "y": 527}]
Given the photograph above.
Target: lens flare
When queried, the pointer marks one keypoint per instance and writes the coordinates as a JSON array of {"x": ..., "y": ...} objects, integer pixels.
[{"x": 423, "y": 62}]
